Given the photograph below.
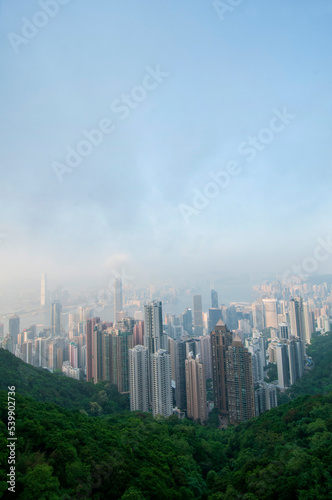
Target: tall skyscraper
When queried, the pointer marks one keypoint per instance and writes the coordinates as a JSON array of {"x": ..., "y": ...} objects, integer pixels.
[
  {"x": 214, "y": 299},
  {"x": 206, "y": 356},
  {"x": 161, "y": 385},
  {"x": 139, "y": 378},
  {"x": 196, "y": 389},
  {"x": 300, "y": 321},
  {"x": 187, "y": 322},
  {"x": 198, "y": 317},
  {"x": 138, "y": 333},
  {"x": 120, "y": 342},
  {"x": 14, "y": 327},
  {"x": 153, "y": 327},
  {"x": 56, "y": 318},
  {"x": 283, "y": 366},
  {"x": 180, "y": 374},
  {"x": 258, "y": 316},
  {"x": 90, "y": 325},
  {"x": 240, "y": 384},
  {"x": 118, "y": 300},
  {"x": 214, "y": 316},
  {"x": 221, "y": 339},
  {"x": 43, "y": 290},
  {"x": 270, "y": 313}
]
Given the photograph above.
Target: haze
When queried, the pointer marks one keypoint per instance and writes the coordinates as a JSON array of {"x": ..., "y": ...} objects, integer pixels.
[{"x": 222, "y": 82}]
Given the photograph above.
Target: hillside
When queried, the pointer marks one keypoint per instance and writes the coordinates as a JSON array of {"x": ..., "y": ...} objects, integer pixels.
[
  {"x": 284, "y": 454},
  {"x": 43, "y": 386},
  {"x": 319, "y": 379}
]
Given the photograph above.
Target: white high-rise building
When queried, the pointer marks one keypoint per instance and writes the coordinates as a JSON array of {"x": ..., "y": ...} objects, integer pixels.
[
  {"x": 270, "y": 313},
  {"x": 153, "y": 327},
  {"x": 139, "y": 378},
  {"x": 43, "y": 290},
  {"x": 118, "y": 301},
  {"x": 161, "y": 384}
]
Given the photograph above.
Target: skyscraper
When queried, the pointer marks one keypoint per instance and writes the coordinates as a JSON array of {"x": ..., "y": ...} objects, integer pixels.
[
  {"x": 43, "y": 290},
  {"x": 196, "y": 389},
  {"x": 240, "y": 384},
  {"x": 270, "y": 313},
  {"x": 90, "y": 325},
  {"x": 14, "y": 327},
  {"x": 187, "y": 321},
  {"x": 153, "y": 327},
  {"x": 221, "y": 339},
  {"x": 161, "y": 385},
  {"x": 118, "y": 301},
  {"x": 56, "y": 318},
  {"x": 214, "y": 316},
  {"x": 198, "y": 317},
  {"x": 120, "y": 342},
  {"x": 206, "y": 356},
  {"x": 139, "y": 378},
  {"x": 214, "y": 299},
  {"x": 258, "y": 316}
]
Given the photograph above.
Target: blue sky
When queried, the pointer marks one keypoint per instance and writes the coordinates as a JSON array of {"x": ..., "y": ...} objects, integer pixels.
[{"x": 121, "y": 204}]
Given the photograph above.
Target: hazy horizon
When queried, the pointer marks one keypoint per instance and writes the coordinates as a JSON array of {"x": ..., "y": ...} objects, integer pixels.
[{"x": 241, "y": 100}]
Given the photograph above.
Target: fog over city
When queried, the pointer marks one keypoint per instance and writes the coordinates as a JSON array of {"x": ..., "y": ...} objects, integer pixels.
[{"x": 171, "y": 141}]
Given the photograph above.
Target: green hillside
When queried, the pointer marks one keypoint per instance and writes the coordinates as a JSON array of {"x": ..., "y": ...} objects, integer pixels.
[
  {"x": 284, "y": 454},
  {"x": 43, "y": 386},
  {"x": 63, "y": 453}
]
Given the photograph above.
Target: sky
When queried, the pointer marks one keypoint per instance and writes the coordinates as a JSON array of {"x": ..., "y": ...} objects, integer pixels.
[{"x": 165, "y": 96}]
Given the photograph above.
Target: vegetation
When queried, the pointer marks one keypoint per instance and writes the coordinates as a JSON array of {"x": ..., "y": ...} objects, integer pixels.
[
  {"x": 43, "y": 386},
  {"x": 63, "y": 453},
  {"x": 318, "y": 379},
  {"x": 284, "y": 454}
]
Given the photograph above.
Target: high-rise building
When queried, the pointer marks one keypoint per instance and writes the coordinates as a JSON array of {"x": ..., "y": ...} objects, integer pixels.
[
  {"x": 214, "y": 299},
  {"x": 240, "y": 384},
  {"x": 161, "y": 386},
  {"x": 2, "y": 330},
  {"x": 139, "y": 378},
  {"x": 56, "y": 318},
  {"x": 308, "y": 323},
  {"x": 180, "y": 374},
  {"x": 198, "y": 316},
  {"x": 196, "y": 389},
  {"x": 265, "y": 397},
  {"x": 283, "y": 331},
  {"x": 214, "y": 316},
  {"x": 118, "y": 300},
  {"x": 221, "y": 339},
  {"x": 138, "y": 333},
  {"x": 14, "y": 327},
  {"x": 120, "y": 342},
  {"x": 90, "y": 325},
  {"x": 270, "y": 313},
  {"x": 258, "y": 316},
  {"x": 153, "y": 327},
  {"x": 43, "y": 290},
  {"x": 283, "y": 366},
  {"x": 187, "y": 322},
  {"x": 206, "y": 356}
]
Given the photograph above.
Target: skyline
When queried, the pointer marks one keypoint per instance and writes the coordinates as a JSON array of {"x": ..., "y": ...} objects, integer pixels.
[{"x": 220, "y": 83}]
